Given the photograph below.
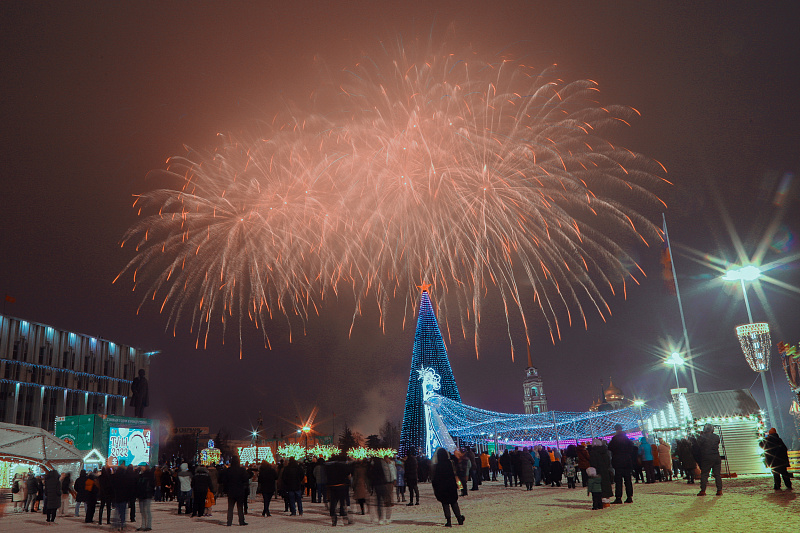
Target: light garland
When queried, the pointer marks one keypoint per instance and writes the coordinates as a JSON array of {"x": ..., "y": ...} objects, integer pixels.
[
  {"x": 362, "y": 453},
  {"x": 54, "y": 387},
  {"x": 474, "y": 424},
  {"x": 292, "y": 450},
  {"x": 210, "y": 456},
  {"x": 326, "y": 451},
  {"x": 756, "y": 344},
  {"x": 66, "y": 371},
  {"x": 790, "y": 359},
  {"x": 430, "y": 353},
  {"x": 255, "y": 454}
]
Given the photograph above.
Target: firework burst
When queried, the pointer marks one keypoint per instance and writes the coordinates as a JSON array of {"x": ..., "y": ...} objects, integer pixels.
[{"x": 470, "y": 175}]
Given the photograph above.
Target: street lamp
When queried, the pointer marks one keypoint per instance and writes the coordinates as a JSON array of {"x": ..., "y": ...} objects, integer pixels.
[
  {"x": 754, "y": 338},
  {"x": 639, "y": 403},
  {"x": 675, "y": 360},
  {"x": 306, "y": 430},
  {"x": 748, "y": 273},
  {"x": 254, "y": 435}
]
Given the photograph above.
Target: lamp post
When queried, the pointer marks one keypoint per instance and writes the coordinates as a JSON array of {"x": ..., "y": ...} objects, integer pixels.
[
  {"x": 639, "y": 403},
  {"x": 675, "y": 360},
  {"x": 306, "y": 430},
  {"x": 255, "y": 442},
  {"x": 754, "y": 338}
]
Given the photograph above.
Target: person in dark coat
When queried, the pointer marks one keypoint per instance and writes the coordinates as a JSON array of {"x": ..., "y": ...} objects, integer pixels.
[
  {"x": 474, "y": 469},
  {"x": 556, "y": 472},
  {"x": 267, "y": 477},
  {"x": 622, "y": 450},
  {"x": 776, "y": 456},
  {"x": 379, "y": 482},
  {"x": 91, "y": 489},
  {"x": 106, "y": 493},
  {"x": 411, "y": 474},
  {"x": 80, "y": 492},
  {"x": 462, "y": 470},
  {"x": 544, "y": 464},
  {"x": 424, "y": 469},
  {"x": 583, "y": 463},
  {"x": 494, "y": 465},
  {"x": 292, "y": 478},
  {"x": 526, "y": 468},
  {"x": 445, "y": 488},
  {"x": 710, "y": 459},
  {"x": 598, "y": 456},
  {"x": 30, "y": 486},
  {"x": 133, "y": 474},
  {"x": 236, "y": 480},
  {"x": 337, "y": 473},
  {"x": 201, "y": 484},
  {"x": 52, "y": 495},
  {"x": 311, "y": 480},
  {"x": 124, "y": 487},
  {"x": 505, "y": 463},
  {"x": 516, "y": 466},
  {"x": 145, "y": 491},
  {"x": 686, "y": 457}
]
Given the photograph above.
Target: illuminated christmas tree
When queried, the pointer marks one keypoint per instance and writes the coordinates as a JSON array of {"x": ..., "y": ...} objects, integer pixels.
[{"x": 430, "y": 353}]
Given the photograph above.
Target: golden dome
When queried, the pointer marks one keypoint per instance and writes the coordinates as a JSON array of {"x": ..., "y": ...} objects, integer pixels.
[{"x": 613, "y": 392}]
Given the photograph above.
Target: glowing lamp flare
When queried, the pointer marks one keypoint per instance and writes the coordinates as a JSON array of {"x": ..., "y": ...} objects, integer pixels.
[
  {"x": 748, "y": 273},
  {"x": 756, "y": 342}
]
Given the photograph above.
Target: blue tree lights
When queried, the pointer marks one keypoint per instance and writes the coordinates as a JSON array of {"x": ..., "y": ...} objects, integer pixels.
[{"x": 429, "y": 353}]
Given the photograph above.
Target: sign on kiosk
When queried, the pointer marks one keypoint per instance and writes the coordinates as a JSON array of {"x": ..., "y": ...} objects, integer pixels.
[{"x": 130, "y": 446}]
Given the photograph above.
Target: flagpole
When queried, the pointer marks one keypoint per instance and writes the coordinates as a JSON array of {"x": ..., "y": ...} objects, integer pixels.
[{"x": 680, "y": 306}]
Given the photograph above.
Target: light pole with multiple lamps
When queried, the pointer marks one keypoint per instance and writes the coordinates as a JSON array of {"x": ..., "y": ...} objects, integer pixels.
[{"x": 754, "y": 338}]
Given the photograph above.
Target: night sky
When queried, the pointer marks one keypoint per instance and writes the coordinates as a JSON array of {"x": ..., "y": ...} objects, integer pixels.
[{"x": 95, "y": 95}]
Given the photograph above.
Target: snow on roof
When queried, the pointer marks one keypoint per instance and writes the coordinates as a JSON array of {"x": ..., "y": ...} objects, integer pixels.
[
  {"x": 35, "y": 445},
  {"x": 723, "y": 403}
]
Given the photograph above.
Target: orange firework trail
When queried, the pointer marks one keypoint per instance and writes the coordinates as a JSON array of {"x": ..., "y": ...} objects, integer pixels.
[{"x": 466, "y": 174}]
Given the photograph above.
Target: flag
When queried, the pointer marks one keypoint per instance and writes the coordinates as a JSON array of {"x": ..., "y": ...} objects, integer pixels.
[{"x": 10, "y": 299}]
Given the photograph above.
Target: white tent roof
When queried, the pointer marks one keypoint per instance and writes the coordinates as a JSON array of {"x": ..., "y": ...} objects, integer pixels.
[{"x": 37, "y": 446}]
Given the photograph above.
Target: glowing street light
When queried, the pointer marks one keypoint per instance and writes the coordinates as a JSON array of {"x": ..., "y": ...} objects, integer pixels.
[
  {"x": 637, "y": 402},
  {"x": 675, "y": 360},
  {"x": 748, "y": 273},
  {"x": 754, "y": 338},
  {"x": 306, "y": 429}
]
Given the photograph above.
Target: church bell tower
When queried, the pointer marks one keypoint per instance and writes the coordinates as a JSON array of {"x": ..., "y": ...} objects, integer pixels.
[{"x": 533, "y": 392}]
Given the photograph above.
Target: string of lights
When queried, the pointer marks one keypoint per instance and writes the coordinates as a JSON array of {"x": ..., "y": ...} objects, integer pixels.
[
  {"x": 471, "y": 423},
  {"x": 65, "y": 371},
  {"x": 429, "y": 352},
  {"x": 54, "y": 387}
]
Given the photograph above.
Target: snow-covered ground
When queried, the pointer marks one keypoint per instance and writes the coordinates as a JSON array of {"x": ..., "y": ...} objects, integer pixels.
[{"x": 748, "y": 504}]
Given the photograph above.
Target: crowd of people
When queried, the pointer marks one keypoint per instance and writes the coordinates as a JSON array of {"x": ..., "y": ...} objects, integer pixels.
[{"x": 376, "y": 484}]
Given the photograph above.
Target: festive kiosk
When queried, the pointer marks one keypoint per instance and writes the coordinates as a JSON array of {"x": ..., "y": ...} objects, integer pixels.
[
  {"x": 111, "y": 440},
  {"x": 26, "y": 448}
]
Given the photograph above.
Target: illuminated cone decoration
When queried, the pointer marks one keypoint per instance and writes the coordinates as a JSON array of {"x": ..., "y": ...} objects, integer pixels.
[
  {"x": 429, "y": 352},
  {"x": 756, "y": 343},
  {"x": 790, "y": 357}
]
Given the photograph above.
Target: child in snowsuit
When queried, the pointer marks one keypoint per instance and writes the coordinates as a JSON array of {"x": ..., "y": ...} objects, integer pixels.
[{"x": 595, "y": 488}]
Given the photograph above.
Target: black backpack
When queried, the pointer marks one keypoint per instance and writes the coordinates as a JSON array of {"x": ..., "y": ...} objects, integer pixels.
[{"x": 15, "y": 489}]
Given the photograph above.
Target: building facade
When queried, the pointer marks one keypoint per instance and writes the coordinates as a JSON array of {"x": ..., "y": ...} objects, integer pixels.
[
  {"x": 47, "y": 373},
  {"x": 534, "y": 397}
]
